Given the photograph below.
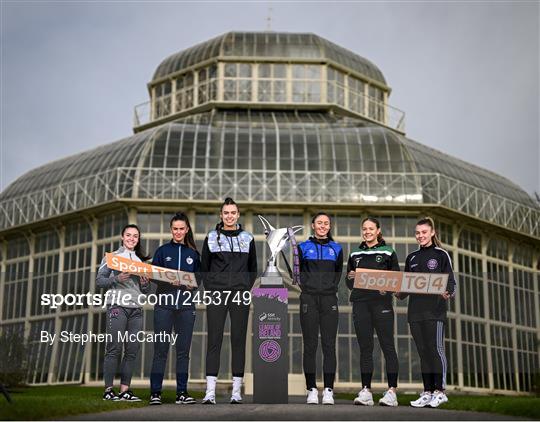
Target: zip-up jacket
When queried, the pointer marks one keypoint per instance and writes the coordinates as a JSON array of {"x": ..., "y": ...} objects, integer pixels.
[
  {"x": 131, "y": 288},
  {"x": 321, "y": 265},
  {"x": 176, "y": 256},
  {"x": 431, "y": 259},
  {"x": 378, "y": 257},
  {"x": 229, "y": 260}
]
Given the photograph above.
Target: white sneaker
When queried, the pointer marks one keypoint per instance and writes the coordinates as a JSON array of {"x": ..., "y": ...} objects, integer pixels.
[
  {"x": 312, "y": 396},
  {"x": 364, "y": 397},
  {"x": 328, "y": 396},
  {"x": 423, "y": 400},
  {"x": 236, "y": 396},
  {"x": 389, "y": 398},
  {"x": 437, "y": 399},
  {"x": 210, "y": 396}
]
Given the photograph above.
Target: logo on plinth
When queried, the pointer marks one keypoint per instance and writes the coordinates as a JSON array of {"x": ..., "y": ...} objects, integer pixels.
[{"x": 269, "y": 350}]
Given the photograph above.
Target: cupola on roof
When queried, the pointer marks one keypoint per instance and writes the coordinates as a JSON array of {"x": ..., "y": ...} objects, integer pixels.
[{"x": 269, "y": 46}]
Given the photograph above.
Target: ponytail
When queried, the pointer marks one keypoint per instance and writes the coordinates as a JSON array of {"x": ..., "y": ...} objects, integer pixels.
[
  {"x": 229, "y": 201},
  {"x": 429, "y": 222}
]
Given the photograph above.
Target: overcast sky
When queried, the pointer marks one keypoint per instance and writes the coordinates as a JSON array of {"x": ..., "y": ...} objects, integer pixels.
[{"x": 466, "y": 74}]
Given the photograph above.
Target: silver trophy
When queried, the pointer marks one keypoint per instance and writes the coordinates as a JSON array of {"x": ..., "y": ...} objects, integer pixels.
[{"x": 278, "y": 240}]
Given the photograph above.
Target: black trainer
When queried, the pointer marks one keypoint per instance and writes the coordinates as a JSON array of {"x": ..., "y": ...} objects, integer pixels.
[
  {"x": 128, "y": 396},
  {"x": 109, "y": 394},
  {"x": 155, "y": 398},
  {"x": 184, "y": 398}
]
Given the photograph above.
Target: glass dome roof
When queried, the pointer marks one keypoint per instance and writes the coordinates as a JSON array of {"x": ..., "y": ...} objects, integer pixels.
[
  {"x": 117, "y": 154},
  {"x": 268, "y": 45},
  {"x": 269, "y": 141}
]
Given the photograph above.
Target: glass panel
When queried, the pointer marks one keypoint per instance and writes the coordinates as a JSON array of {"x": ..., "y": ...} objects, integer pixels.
[
  {"x": 230, "y": 70},
  {"x": 265, "y": 70},
  {"x": 244, "y": 70},
  {"x": 280, "y": 70}
]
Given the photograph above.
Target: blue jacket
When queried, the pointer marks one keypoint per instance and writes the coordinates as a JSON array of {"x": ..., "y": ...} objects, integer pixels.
[
  {"x": 321, "y": 264},
  {"x": 178, "y": 257}
]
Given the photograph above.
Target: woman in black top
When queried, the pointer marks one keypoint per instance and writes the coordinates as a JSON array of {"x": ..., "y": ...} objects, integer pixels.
[
  {"x": 427, "y": 313},
  {"x": 373, "y": 310},
  {"x": 229, "y": 269}
]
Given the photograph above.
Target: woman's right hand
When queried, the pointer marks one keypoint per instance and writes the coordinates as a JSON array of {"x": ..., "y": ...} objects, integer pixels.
[
  {"x": 123, "y": 277},
  {"x": 351, "y": 274}
]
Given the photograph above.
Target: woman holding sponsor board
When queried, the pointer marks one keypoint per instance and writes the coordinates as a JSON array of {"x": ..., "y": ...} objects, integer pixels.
[
  {"x": 229, "y": 269},
  {"x": 126, "y": 318},
  {"x": 372, "y": 310},
  {"x": 427, "y": 313},
  {"x": 179, "y": 313},
  {"x": 321, "y": 264}
]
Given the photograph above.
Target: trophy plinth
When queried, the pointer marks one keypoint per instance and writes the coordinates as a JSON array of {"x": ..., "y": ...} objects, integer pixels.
[{"x": 270, "y": 361}]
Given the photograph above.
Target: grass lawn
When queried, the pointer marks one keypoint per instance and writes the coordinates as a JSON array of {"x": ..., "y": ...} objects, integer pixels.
[
  {"x": 527, "y": 407},
  {"x": 60, "y": 401}
]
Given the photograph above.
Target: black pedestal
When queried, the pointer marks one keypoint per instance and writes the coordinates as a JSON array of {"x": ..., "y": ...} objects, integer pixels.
[{"x": 270, "y": 345}]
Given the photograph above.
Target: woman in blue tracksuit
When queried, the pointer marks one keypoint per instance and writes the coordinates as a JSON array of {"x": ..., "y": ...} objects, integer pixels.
[
  {"x": 179, "y": 254},
  {"x": 321, "y": 264}
]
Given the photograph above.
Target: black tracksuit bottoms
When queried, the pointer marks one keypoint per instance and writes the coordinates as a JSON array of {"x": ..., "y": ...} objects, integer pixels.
[
  {"x": 216, "y": 316},
  {"x": 378, "y": 315},
  {"x": 429, "y": 339},
  {"x": 319, "y": 313}
]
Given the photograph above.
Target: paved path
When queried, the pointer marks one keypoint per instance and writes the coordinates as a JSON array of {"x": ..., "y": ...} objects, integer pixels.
[{"x": 298, "y": 410}]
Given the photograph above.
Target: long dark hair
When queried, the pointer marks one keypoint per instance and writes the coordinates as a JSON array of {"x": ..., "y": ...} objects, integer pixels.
[
  {"x": 138, "y": 248},
  {"x": 330, "y": 218},
  {"x": 189, "y": 240},
  {"x": 219, "y": 226},
  {"x": 429, "y": 221},
  {"x": 377, "y": 224}
]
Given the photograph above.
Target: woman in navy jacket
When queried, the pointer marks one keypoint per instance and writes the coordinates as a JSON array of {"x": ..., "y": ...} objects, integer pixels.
[
  {"x": 427, "y": 313},
  {"x": 174, "y": 308}
]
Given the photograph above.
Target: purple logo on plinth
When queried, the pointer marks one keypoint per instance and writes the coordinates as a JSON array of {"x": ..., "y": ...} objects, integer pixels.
[
  {"x": 269, "y": 350},
  {"x": 279, "y": 293}
]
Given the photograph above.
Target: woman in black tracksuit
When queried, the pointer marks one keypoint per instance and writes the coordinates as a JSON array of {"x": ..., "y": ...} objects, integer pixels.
[
  {"x": 321, "y": 264},
  {"x": 373, "y": 310},
  {"x": 427, "y": 313},
  {"x": 229, "y": 269}
]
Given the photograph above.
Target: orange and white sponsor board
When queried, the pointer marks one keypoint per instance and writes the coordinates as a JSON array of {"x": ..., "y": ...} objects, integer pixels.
[
  {"x": 397, "y": 281},
  {"x": 174, "y": 277}
]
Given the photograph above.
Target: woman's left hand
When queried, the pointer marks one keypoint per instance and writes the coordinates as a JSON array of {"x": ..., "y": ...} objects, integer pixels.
[
  {"x": 446, "y": 295},
  {"x": 144, "y": 280}
]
